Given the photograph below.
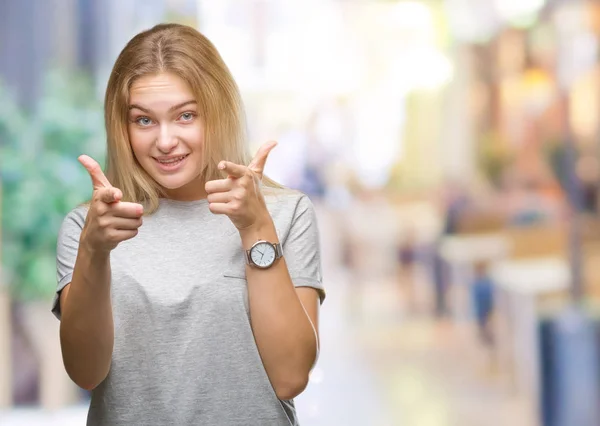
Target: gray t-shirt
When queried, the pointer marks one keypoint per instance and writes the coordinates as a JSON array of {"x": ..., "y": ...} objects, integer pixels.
[{"x": 184, "y": 352}]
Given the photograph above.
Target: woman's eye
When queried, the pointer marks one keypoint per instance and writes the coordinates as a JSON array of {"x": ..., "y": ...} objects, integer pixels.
[
  {"x": 144, "y": 121},
  {"x": 187, "y": 116}
]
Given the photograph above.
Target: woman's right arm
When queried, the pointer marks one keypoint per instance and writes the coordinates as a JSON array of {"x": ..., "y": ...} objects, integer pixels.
[{"x": 86, "y": 328}]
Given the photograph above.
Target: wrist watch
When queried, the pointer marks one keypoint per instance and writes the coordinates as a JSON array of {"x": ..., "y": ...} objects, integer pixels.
[{"x": 263, "y": 254}]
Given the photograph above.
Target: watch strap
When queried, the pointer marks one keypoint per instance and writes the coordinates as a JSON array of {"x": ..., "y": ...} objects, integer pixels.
[{"x": 278, "y": 250}]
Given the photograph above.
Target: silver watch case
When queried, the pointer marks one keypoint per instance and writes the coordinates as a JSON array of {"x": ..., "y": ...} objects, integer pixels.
[{"x": 276, "y": 247}]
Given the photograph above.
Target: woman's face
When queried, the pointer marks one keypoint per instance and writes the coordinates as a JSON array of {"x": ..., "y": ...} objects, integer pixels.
[{"x": 166, "y": 134}]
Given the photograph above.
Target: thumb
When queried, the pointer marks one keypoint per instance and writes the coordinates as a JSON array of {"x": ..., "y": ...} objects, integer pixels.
[
  {"x": 95, "y": 171},
  {"x": 260, "y": 159}
]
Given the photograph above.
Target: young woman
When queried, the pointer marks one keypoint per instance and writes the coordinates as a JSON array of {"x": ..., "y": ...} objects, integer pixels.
[{"x": 206, "y": 311}]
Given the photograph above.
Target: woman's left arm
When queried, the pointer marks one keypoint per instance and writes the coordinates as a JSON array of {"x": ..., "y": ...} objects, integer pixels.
[{"x": 284, "y": 317}]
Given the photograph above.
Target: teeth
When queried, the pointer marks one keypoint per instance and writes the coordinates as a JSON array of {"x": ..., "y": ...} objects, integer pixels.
[{"x": 173, "y": 160}]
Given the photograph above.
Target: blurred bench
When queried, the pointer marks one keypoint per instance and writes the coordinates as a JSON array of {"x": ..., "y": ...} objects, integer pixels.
[
  {"x": 522, "y": 288},
  {"x": 536, "y": 272}
]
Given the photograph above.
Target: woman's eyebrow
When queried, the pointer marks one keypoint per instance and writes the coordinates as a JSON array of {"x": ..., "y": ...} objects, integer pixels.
[
  {"x": 181, "y": 105},
  {"x": 173, "y": 108}
]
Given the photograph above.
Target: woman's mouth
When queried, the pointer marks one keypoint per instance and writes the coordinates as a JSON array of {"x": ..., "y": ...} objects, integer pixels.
[{"x": 171, "y": 163}]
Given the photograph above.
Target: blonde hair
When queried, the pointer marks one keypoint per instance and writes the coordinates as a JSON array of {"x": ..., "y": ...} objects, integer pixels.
[{"x": 182, "y": 51}]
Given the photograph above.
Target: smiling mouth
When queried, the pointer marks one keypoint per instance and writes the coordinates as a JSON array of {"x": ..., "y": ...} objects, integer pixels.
[{"x": 171, "y": 161}]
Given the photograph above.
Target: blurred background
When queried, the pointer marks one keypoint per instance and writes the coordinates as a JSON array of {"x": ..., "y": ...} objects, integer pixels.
[{"x": 451, "y": 149}]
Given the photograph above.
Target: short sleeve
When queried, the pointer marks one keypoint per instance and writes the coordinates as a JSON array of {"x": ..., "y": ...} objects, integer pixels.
[
  {"x": 66, "y": 252},
  {"x": 302, "y": 249}
]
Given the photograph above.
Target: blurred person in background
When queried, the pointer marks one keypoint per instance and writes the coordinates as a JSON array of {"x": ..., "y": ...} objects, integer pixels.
[
  {"x": 208, "y": 312},
  {"x": 407, "y": 253},
  {"x": 455, "y": 203},
  {"x": 482, "y": 295},
  {"x": 588, "y": 172}
]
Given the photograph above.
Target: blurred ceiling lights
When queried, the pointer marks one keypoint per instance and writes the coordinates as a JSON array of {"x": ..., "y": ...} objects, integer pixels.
[{"x": 479, "y": 20}]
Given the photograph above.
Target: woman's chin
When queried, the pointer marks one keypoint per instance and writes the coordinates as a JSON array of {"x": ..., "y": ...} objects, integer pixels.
[{"x": 173, "y": 183}]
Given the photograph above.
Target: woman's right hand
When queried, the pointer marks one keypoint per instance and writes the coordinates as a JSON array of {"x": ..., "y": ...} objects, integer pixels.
[{"x": 109, "y": 220}]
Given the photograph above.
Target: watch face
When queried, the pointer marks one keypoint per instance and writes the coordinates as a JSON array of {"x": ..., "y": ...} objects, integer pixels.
[{"x": 263, "y": 255}]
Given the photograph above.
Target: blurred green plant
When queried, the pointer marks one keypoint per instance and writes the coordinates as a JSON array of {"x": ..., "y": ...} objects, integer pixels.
[{"x": 41, "y": 177}]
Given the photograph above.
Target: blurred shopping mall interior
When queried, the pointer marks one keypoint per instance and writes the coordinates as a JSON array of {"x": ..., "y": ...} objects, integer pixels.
[{"x": 450, "y": 147}]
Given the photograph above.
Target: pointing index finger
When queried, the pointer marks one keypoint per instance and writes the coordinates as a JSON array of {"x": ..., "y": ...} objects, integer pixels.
[{"x": 232, "y": 169}]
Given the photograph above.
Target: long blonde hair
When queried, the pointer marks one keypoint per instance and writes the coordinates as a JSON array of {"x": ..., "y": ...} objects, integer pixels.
[{"x": 185, "y": 52}]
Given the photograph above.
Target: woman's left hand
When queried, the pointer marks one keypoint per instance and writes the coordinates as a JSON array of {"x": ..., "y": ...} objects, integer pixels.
[{"x": 239, "y": 195}]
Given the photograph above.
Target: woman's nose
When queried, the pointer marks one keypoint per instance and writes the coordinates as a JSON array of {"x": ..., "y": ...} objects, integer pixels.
[{"x": 166, "y": 141}]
